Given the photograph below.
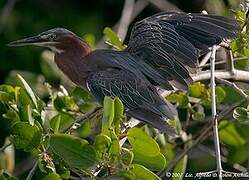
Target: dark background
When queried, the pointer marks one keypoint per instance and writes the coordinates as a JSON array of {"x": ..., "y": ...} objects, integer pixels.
[{"x": 29, "y": 17}]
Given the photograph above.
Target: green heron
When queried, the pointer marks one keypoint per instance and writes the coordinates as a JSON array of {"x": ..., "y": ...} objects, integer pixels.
[{"x": 161, "y": 52}]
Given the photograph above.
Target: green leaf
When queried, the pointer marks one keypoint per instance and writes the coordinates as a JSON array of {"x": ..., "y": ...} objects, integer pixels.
[
  {"x": 196, "y": 90},
  {"x": 11, "y": 115},
  {"x": 22, "y": 98},
  {"x": 52, "y": 176},
  {"x": 65, "y": 174},
  {"x": 108, "y": 114},
  {"x": 114, "y": 150},
  {"x": 76, "y": 152},
  {"x": 241, "y": 114},
  {"x": 198, "y": 116},
  {"x": 238, "y": 154},
  {"x": 229, "y": 134},
  {"x": 57, "y": 122},
  {"x": 24, "y": 136},
  {"x": 220, "y": 94},
  {"x": 246, "y": 52},
  {"x": 231, "y": 96},
  {"x": 5, "y": 97},
  {"x": 4, "y": 175},
  {"x": 29, "y": 115},
  {"x": 7, "y": 93},
  {"x": 180, "y": 168},
  {"x": 119, "y": 110},
  {"x": 113, "y": 39},
  {"x": 154, "y": 163},
  {"x": 244, "y": 65},
  {"x": 102, "y": 144},
  {"x": 90, "y": 39},
  {"x": 243, "y": 130},
  {"x": 127, "y": 156},
  {"x": 61, "y": 121},
  {"x": 142, "y": 142},
  {"x": 8, "y": 89},
  {"x": 127, "y": 175},
  {"x": 169, "y": 152},
  {"x": 83, "y": 99},
  {"x": 27, "y": 89},
  {"x": 26, "y": 113},
  {"x": 179, "y": 98},
  {"x": 63, "y": 103},
  {"x": 81, "y": 94},
  {"x": 143, "y": 173},
  {"x": 86, "y": 129}
]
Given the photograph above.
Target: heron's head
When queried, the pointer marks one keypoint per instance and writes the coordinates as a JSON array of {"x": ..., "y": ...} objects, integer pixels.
[{"x": 57, "y": 39}]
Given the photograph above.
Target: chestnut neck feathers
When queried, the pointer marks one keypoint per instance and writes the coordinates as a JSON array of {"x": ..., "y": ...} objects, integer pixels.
[{"x": 70, "y": 59}]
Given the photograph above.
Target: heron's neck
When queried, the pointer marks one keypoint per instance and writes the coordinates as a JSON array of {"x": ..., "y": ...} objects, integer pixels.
[{"x": 71, "y": 61}]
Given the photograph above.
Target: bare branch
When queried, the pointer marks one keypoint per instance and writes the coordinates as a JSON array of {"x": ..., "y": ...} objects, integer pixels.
[
  {"x": 205, "y": 59},
  {"x": 230, "y": 63},
  {"x": 82, "y": 118},
  {"x": 237, "y": 75},
  {"x": 138, "y": 8},
  {"x": 32, "y": 171},
  {"x": 125, "y": 19},
  {"x": 214, "y": 114}
]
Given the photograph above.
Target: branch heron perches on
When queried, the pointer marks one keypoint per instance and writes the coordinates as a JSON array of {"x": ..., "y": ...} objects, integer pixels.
[{"x": 214, "y": 113}]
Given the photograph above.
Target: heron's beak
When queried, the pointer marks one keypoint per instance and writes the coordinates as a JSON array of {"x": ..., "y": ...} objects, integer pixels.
[{"x": 35, "y": 40}]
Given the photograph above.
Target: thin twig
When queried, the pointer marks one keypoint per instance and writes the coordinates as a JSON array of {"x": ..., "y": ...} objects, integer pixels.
[
  {"x": 82, "y": 118},
  {"x": 214, "y": 114},
  {"x": 240, "y": 58},
  {"x": 205, "y": 59},
  {"x": 223, "y": 62},
  {"x": 234, "y": 86},
  {"x": 125, "y": 19},
  {"x": 32, "y": 171},
  {"x": 230, "y": 62}
]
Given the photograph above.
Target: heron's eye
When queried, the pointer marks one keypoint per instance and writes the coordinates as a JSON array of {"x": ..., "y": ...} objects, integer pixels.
[{"x": 49, "y": 37}]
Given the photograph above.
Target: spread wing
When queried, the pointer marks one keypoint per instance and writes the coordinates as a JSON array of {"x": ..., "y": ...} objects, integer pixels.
[
  {"x": 140, "y": 98},
  {"x": 170, "y": 42}
]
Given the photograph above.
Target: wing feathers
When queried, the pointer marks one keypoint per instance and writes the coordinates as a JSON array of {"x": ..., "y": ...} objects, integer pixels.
[{"x": 169, "y": 42}]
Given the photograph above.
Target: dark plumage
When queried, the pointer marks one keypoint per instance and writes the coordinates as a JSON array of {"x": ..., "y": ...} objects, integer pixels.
[{"x": 161, "y": 51}]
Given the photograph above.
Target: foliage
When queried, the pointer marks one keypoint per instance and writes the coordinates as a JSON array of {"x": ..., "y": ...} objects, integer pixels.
[{"x": 41, "y": 132}]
